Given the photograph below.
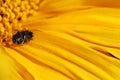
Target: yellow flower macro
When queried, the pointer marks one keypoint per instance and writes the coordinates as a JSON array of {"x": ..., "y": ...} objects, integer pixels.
[{"x": 59, "y": 40}]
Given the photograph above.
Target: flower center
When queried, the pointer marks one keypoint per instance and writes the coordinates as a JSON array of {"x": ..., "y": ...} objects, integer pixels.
[{"x": 12, "y": 14}]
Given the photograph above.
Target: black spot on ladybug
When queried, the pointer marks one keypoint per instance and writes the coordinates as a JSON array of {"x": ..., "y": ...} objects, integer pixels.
[{"x": 22, "y": 37}]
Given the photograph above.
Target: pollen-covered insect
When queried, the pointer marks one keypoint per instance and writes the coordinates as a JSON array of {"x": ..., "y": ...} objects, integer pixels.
[{"x": 22, "y": 37}]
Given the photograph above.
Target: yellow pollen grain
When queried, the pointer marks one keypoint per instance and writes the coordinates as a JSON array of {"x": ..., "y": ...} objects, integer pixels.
[{"x": 12, "y": 14}]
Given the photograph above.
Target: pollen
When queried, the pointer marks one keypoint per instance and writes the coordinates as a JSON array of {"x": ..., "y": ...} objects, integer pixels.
[{"x": 12, "y": 14}]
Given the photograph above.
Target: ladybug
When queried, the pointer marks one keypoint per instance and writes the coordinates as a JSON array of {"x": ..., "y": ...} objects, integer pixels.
[{"x": 22, "y": 37}]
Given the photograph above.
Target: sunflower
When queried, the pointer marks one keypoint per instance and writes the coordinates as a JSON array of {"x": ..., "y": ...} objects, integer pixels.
[{"x": 59, "y": 40}]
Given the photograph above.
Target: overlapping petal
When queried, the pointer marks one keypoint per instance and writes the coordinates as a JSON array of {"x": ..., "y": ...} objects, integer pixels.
[
  {"x": 10, "y": 68},
  {"x": 103, "y": 3}
]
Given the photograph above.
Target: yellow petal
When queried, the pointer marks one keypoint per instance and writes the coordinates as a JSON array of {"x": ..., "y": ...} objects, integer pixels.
[
  {"x": 11, "y": 69},
  {"x": 103, "y": 3},
  {"x": 61, "y": 5},
  {"x": 5, "y": 65}
]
